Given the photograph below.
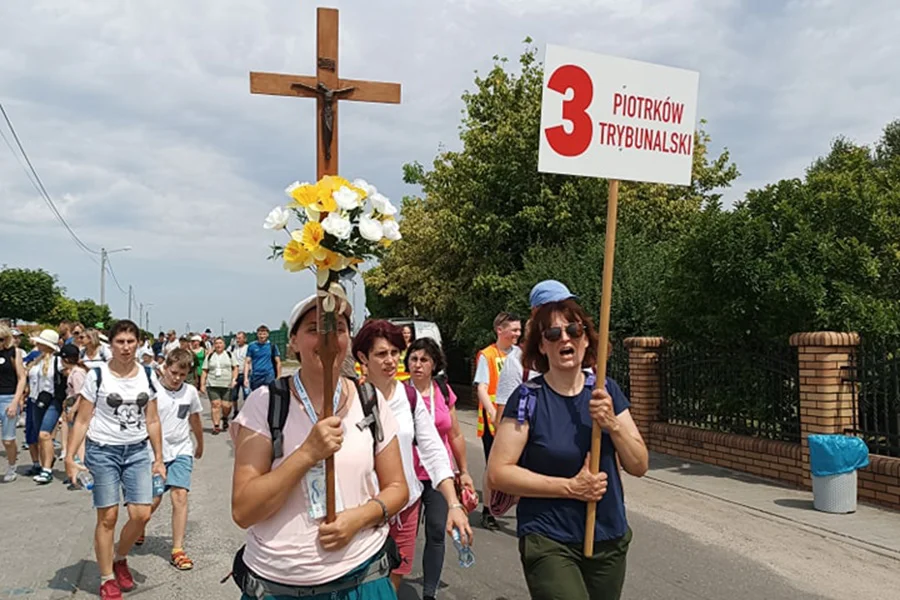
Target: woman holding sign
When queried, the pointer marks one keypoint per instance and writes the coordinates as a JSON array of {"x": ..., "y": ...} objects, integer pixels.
[{"x": 541, "y": 454}]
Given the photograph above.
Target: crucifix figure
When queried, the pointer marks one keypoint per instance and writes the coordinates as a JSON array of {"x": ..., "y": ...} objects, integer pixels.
[{"x": 327, "y": 88}]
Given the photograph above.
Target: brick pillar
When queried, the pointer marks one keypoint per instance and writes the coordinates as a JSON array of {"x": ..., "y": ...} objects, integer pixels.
[
  {"x": 826, "y": 399},
  {"x": 646, "y": 391}
]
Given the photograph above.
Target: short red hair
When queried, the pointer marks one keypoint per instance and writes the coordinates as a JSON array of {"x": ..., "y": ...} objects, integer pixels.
[{"x": 371, "y": 331}]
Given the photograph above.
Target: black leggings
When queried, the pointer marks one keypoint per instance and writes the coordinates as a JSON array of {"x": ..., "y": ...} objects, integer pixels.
[{"x": 434, "y": 514}]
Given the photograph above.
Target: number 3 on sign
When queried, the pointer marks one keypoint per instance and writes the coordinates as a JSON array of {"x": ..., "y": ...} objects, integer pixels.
[{"x": 574, "y": 110}]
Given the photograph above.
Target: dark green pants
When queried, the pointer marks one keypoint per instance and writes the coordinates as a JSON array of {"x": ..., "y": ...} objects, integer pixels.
[{"x": 555, "y": 571}]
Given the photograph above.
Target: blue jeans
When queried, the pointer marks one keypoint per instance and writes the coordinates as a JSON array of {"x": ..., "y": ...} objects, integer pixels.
[
  {"x": 236, "y": 390},
  {"x": 7, "y": 424},
  {"x": 114, "y": 468},
  {"x": 32, "y": 422},
  {"x": 178, "y": 472}
]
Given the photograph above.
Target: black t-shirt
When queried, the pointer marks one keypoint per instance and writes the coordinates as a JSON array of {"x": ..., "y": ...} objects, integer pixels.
[{"x": 8, "y": 377}]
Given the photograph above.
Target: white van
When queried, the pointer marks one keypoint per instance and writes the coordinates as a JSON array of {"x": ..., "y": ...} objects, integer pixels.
[{"x": 420, "y": 328}]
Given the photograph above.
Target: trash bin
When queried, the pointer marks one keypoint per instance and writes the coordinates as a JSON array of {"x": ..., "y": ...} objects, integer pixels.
[{"x": 833, "y": 461}]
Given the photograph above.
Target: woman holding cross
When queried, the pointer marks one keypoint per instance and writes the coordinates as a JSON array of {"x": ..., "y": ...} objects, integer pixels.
[{"x": 542, "y": 451}]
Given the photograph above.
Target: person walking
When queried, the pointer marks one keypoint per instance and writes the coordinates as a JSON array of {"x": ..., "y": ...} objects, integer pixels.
[
  {"x": 542, "y": 453},
  {"x": 12, "y": 393},
  {"x": 179, "y": 415},
  {"x": 291, "y": 551},
  {"x": 425, "y": 360},
  {"x": 47, "y": 386},
  {"x": 263, "y": 363},
  {"x": 241, "y": 387},
  {"x": 488, "y": 364},
  {"x": 75, "y": 372},
  {"x": 377, "y": 346},
  {"x": 93, "y": 352},
  {"x": 119, "y": 424},
  {"x": 219, "y": 377}
]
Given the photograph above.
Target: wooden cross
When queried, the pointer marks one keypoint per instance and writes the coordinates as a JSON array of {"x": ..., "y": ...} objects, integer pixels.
[{"x": 327, "y": 88}]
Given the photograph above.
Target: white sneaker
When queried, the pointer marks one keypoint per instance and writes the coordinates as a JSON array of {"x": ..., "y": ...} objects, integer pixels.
[{"x": 10, "y": 474}]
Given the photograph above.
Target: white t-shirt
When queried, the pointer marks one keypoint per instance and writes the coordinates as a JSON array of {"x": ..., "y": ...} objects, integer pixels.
[
  {"x": 120, "y": 406},
  {"x": 102, "y": 357},
  {"x": 432, "y": 452},
  {"x": 174, "y": 345},
  {"x": 174, "y": 409},
  {"x": 37, "y": 381}
]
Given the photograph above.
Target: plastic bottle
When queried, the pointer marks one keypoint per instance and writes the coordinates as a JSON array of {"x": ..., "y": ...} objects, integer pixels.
[
  {"x": 466, "y": 556},
  {"x": 85, "y": 480},
  {"x": 159, "y": 485}
]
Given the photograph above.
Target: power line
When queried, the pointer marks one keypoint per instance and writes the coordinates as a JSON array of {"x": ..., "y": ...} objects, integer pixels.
[
  {"x": 40, "y": 184},
  {"x": 113, "y": 273}
]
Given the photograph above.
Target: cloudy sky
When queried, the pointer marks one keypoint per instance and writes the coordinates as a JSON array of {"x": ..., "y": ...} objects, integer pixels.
[{"x": 139, "y": 120}]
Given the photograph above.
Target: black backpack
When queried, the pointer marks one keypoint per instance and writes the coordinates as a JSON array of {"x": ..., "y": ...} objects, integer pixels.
[{"x": 280, "y": 402}]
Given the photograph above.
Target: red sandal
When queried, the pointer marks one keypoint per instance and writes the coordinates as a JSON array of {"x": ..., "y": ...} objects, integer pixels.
[{"x": 181, "y": 561}]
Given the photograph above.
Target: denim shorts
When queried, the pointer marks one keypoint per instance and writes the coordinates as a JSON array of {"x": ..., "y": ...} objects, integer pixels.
[
  {"x": 49, "y": 417},
  {"x": 125, "y": 467},
  {"x": 178, "y": 472},
  {"x": 32, "y": 424},
  {"x": 7, "y": 424}
]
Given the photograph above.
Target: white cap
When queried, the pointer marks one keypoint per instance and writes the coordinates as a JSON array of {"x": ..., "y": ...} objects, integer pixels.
[{"x": 307, "y": 304}]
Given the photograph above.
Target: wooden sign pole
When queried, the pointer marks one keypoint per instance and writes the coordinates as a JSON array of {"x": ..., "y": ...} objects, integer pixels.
[
  {"x": 612, "y": 210},
  {"x": 327, "y": 88}
]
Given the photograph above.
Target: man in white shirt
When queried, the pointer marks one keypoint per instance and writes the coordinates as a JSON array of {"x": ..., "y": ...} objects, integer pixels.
[{"x": 239, "y": 352}]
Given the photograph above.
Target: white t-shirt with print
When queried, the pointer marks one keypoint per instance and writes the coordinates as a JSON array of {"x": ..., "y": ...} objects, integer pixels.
[
  {"x": 120, "y": 406},
  {"x": 174, "y": 409}
]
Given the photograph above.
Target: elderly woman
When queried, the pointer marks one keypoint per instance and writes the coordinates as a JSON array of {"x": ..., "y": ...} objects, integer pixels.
[
  {"x": 541, "y": 454},
  {"x": 291, "y": 551},
  {"x": 425, "y": 360},
  {"x": 12, "y": 391},
  {"x": 377, "y": 346}
]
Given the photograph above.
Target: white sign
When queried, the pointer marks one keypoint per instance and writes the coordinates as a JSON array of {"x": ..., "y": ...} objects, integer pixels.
[{"x": 603, "y": 116}]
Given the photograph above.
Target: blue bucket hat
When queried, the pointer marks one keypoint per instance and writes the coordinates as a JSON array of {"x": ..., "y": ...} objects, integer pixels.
[{"x": 547, "y": 291}]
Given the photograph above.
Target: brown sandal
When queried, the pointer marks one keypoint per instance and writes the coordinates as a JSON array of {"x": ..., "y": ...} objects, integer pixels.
[{"x": 181, "y": 561}]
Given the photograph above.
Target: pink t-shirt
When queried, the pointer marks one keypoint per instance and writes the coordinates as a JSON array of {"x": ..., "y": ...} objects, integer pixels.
[
  {"x": 442, "y": 422},
  {"x": 75, "y": 381},
  {"x": 285, "y": 547}
]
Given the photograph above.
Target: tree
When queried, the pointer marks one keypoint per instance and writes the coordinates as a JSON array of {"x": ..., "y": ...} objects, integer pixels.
[
  {"x": 26, "y": 294},
  {"x": 90, "y": 313},
  {"x": 64, "y": 309},
  {"x": 485, "y": 208},
  {"x": 812, "y": 254}
]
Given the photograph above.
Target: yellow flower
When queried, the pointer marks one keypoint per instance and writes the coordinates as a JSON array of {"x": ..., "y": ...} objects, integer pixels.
[
  {"x": 312, "y": 236},
  {"x": 303, "y": 196},
  {"x": 296, "y": 256},
  {"x": 331, "y": 261}
]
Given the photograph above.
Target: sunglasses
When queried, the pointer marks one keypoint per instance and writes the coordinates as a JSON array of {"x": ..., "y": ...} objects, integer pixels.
[{"x": 573, "y": 330}]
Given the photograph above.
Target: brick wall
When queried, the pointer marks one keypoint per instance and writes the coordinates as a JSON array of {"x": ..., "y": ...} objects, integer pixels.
[{"x": 826, "y": 407}]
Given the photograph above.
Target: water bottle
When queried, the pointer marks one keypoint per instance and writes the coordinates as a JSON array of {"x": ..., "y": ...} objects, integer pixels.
[
  {"x": 466, "y": 556},
  {"x": 85, "y": 480},
  {"x": 159, "y": 485}
]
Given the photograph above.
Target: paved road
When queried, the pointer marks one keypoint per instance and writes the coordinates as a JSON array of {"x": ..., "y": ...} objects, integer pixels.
[{"x": 686, "y": 546}]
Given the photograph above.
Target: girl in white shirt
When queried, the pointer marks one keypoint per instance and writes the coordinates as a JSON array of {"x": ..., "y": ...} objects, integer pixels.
[{"x": 377, "y": 348}]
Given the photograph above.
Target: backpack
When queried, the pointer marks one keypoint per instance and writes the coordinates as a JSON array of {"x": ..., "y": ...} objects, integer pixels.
[
  {"x": 280, "y": 403},
  {"x": 147, "y": 370},
  {"x": 441, "y": 382}
]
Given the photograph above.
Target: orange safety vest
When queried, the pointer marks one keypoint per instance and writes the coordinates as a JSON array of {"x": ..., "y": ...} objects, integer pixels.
[
  {"x": 495, "y": 359},
  {"x": 402, "y": 375}
]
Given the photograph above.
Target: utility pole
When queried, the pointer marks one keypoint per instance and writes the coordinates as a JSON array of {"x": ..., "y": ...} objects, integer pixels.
[
  {"x": 130, "y": 300},
  {"x": 223, "y": 326},
  {"x": 147, "y": 316},
  {"x": 104, "y": 256},
  {"x": 141, "y": 315}
]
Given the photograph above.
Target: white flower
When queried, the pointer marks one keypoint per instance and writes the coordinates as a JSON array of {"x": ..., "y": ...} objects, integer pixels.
[
  {"x": 337, "y": 226},
  {"x": 290, "y": 189},
  {"x": 277, "y": 219},
  {"x": 391, "y": 230},
  {"x": 346, "y": 198},
  {"x": 382, "y": 205},
  {"x": 311, "y": 213},
  {"x": 365, "y": 186},
  {"x": 371, "y": 229}
]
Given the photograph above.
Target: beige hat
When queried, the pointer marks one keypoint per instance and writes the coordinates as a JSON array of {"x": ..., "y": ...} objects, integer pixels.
[{"x": 48, "y": 338}]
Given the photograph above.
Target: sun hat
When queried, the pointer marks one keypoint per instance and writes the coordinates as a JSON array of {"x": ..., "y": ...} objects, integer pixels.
[
  {"x": 48, "y": 338},
  {"x": 307, "y": 304},
  {"x": 16, "y": 332},
  {"x": 548, "y": 291},
  {"x": 196, "y": 338},
  {"x": 103, "y": 337}
]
